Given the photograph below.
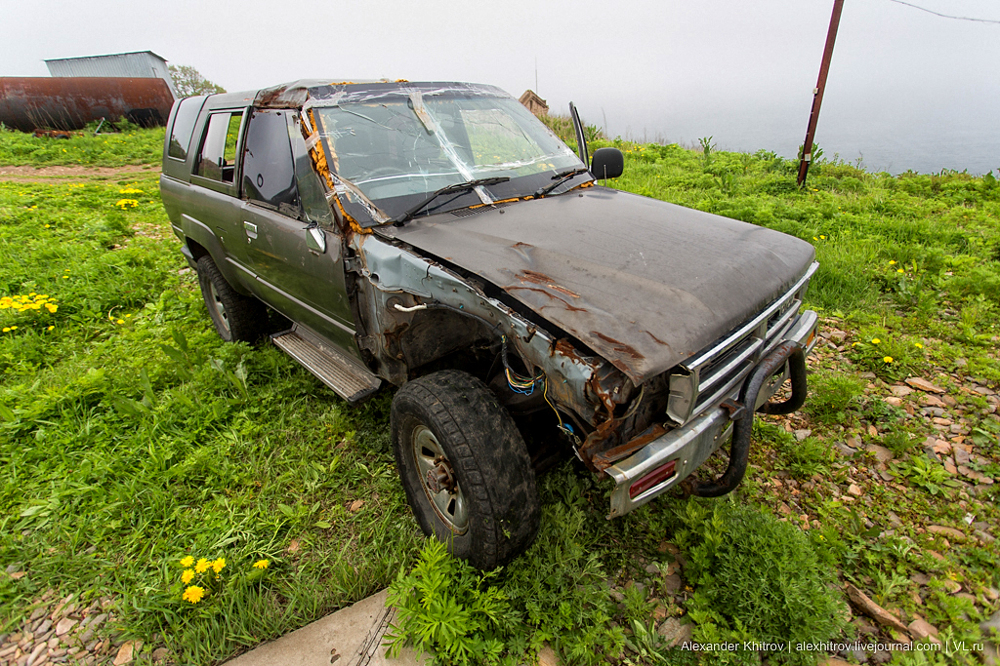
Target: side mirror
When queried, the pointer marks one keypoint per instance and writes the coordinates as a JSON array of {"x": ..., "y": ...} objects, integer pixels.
[{"x": 608, "y": 163}]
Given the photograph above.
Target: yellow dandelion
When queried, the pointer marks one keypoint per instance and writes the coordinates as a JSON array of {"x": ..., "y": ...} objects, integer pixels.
[
  {"x": 51, "y": 308},
  {"x": 887, "y": 359},
  {"x": 202, "y": 566},
  {"x": 119, "y": 321},
  {"x": 822, "y": 237},
  {"x": 187, "y": 576},
  {"x": 194, "y": 594},
  {"x": 50, "y": 328},
  {"x": 814, "y": 238},
  {"x": 261, "y": 564},
  {"x": 892, "y": 262},
  {"x": 900, "y": 270},
  {"x": 187, "y": 562},
  {"x": 219, "y": 564},
  {"x": 918, "y": 345},
  {"x": 6, "y": 329},
  {"x": 875, "y": 341}
]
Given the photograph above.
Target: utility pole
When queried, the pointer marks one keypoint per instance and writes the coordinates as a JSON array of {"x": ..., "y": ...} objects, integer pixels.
[{"x": 824, "y": 69}]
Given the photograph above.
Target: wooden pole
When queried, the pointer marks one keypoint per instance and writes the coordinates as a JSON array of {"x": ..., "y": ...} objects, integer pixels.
[{"x": 824, "y": 69}]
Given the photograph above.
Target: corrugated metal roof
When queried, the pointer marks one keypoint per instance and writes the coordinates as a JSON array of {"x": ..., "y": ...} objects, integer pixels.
[
  {"x": 107, "y": 55},
  {"x": 136, "y": 64}
]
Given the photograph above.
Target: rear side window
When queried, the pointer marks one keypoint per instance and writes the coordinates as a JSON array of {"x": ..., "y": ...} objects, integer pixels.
[
  {"x": 217, "y": 159},
  {"x": 268, "y": 170},
  {"x": 180, "y": 131}
]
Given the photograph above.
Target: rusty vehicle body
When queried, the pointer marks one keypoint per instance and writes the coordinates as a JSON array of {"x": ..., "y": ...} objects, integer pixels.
[
  {"x": 69, "y": 103},
  {"x": 428, "y": 242}
]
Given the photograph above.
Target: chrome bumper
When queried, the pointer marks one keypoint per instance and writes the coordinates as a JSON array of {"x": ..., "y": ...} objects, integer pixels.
[{"x": 690, "y": 445}]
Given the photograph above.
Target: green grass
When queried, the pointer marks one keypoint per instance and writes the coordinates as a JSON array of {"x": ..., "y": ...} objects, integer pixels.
[
  {"x": 131, "y": 437},
  {"x": 129, "y": 146}
]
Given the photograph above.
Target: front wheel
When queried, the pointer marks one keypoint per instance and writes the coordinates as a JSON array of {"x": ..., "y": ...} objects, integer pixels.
[
  {"x": 465, "y": 468},
  {"x": 237, "y": 318}
]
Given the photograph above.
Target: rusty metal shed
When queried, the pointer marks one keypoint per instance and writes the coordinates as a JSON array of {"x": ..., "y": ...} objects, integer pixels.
[{"x": 136, "y": 64}]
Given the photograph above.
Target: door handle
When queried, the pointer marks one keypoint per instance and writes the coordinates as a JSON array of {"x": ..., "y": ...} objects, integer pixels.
[{"x": 251, "y": 230}]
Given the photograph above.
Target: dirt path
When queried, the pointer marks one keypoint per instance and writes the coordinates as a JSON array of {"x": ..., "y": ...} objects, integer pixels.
[{"x": 30, "y": 174}]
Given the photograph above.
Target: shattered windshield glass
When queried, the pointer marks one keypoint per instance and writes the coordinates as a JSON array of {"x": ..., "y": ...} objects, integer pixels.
[{"x": 397, "y": 148}]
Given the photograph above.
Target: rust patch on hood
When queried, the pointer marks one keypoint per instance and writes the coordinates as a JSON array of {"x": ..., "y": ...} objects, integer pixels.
[
  {"x": 619, "y": 346},
  {"x": 657, "y": 340},
  {"x": 569, "y": 306},
  {"x": 542, "y": 279}
]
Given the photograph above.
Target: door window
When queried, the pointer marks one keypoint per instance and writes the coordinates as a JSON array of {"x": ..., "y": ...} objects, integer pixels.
[
  {"x": 217, "y": 159},
  {"x": 183, "y": 127},
  {"x": 268, "y": 169}
]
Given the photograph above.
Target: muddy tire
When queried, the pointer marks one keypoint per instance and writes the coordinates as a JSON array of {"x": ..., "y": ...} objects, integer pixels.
[
  {"x": 465, "y": 468},
  {"x": 237, "y": 318}
]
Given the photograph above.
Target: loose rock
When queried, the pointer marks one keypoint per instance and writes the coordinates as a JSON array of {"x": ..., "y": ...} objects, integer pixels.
[
  {"x": 672, "y": 583},
  {"x": 124, "y": 655},
  {"x": 546, "y": 656},
  {"x": 948, "y": 532},
  {"x": 64, "y": 625},
  {"x": 872, "y": 609},
  {"x": 920, "y": 628},
  {"x": 924, "y": 385},
  {"x": 673, "y": 632}
]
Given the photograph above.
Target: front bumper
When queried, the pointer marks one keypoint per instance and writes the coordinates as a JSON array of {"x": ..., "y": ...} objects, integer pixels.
[{"x": 669, "y": 459}]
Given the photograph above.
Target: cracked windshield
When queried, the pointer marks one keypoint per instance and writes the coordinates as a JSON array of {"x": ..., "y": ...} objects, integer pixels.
[{"x": 396, "y": 151}]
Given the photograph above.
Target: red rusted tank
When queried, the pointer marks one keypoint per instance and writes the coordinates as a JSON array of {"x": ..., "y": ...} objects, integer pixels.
[{"x": 68, "y": 103}]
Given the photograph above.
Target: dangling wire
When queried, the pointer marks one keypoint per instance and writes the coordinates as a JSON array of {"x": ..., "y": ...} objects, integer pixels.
[
  {"x": 519, "y": 383},
  {"x": 564, "y": 428},
  {"x": 526, "y": 386}
]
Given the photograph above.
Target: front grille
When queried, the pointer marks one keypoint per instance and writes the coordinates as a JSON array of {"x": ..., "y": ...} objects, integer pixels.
[{"x": 708, "y": 377}]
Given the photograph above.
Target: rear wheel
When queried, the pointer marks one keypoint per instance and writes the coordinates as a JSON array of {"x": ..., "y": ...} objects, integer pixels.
[
  {"x": 465, "y": 468},
  {"x": 236, "y": 317}
]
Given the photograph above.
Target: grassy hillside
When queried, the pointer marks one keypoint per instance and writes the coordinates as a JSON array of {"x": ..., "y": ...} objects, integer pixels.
[{"x": 131, "y": 438}]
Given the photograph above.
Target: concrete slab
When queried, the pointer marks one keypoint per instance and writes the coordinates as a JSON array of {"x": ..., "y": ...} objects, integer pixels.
[{"x": 350, "y": 637}]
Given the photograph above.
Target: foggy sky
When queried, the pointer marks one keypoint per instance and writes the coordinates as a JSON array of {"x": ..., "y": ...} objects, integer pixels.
[{"x": 741, "y": 71}]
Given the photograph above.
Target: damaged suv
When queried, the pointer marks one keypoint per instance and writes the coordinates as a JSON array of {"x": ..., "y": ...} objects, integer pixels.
[{"x": 438, "y": 237}]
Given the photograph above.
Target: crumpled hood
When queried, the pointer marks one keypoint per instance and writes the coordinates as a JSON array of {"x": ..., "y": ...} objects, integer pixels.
[{"x": 643, "y": 283}]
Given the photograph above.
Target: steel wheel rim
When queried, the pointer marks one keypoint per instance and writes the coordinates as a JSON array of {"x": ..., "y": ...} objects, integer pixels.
[
  {"x": 220, "y": 309},
  {"x": 428, "y": 454}
]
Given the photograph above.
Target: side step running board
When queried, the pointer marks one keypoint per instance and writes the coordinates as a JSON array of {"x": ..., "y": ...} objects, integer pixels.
[{"x": 347, "y": 377}]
